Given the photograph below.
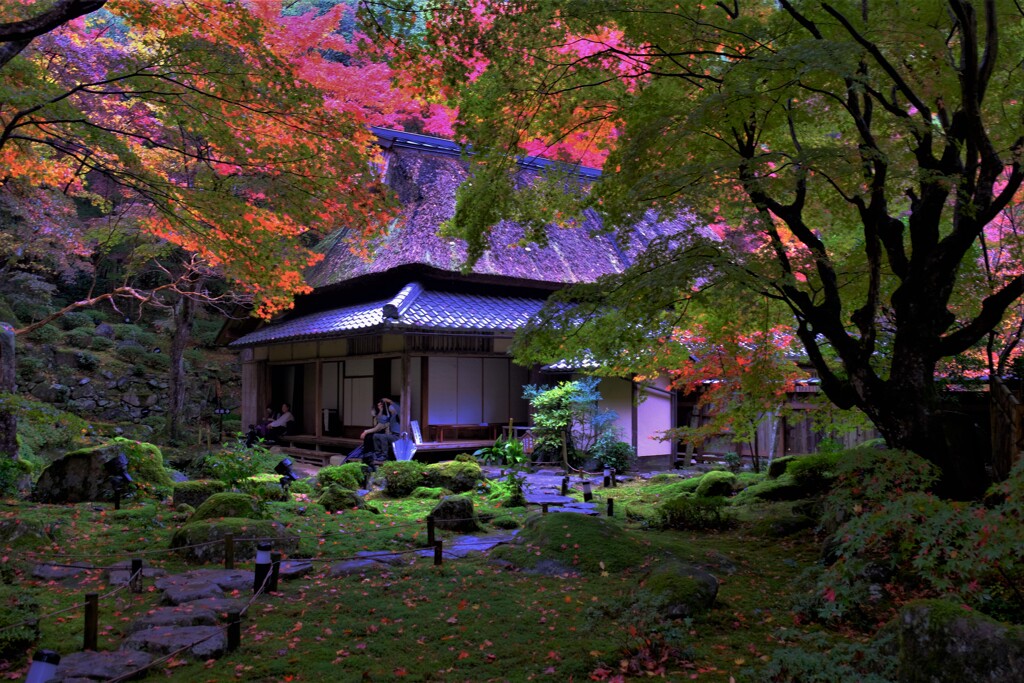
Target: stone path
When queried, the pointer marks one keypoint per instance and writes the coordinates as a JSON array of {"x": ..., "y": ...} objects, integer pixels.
[{"x": 194, "y": 606}]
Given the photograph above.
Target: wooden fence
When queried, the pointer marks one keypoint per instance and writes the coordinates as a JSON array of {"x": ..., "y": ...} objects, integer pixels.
[{"x": 1007, "y": 420}]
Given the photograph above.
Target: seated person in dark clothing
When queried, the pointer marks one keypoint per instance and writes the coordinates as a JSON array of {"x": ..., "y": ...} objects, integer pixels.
[
  {"x": 278, "y": 427},
  {"x": 383, "y": 439},
  {"x": 381, "y": 420}
]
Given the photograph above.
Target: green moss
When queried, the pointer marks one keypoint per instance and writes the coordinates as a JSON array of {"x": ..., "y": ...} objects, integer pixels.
[
  {"x": 193, "y": 493},
  {"x": 434, "y": 493},
  {"x": 664, "y": 479},
  {"x": 16, "y": 605},
  {"x": 688, "y": 590},
  {"x": 336, "y": 498},
  {"x": 779, "y": 465},
  {"x": 228, "y": 504},
  {"x": 402, "y": 477},
  {"x": 716, "y": 483},
  {"x": 745, "y": 479},
  {"x": 349, "y": 476},
  {"x": 588, "y": 545},
  {"x": 197, "y": 541},
  {"x": 692, "y": 512},
  {"x": 145, "y": 462},
  {"x": 454, "y": 475},
  {"x": 783, "y": 488},
  {"x": 816, "y": 472}
]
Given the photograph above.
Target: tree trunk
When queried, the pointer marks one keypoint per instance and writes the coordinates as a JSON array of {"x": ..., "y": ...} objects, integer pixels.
[
  {"x": 8, "y": 422},
  {"x": 184, "y": 314}
]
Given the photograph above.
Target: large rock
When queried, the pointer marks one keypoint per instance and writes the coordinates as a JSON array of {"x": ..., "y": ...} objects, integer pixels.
[
  {"x": 80, "y": 476},
  {"x": 203, "y": 642},
  {"x": 100, "y": 666},
  {"x": 940, "y": 642},
  {"x": 455, "y": 513},
  {"x": 685, "y": 589},
  {"x": 203, "y": 541},
  {"x": 453, "y": 475},
  {"x": 196, "y": 492},
  {"x": 227, "y": 504},
  {"x": 336, "y": 498}
]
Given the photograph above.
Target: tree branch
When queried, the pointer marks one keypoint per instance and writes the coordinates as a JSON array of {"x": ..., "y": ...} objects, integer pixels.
[{"x": 18, "y": 34}]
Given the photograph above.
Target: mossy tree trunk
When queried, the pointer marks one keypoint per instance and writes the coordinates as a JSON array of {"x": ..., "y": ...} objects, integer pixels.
[
  {"x": 8, "y": 422},
  {"x": 184, "y": 315}
]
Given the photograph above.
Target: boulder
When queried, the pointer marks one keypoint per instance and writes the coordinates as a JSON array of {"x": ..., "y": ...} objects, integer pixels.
[
  {"x": 940, "y": 642},
  {"x": 196, "y": 492},
  {"x": 685, "y": 589},
  {"x": 80, "y": 476},
  {"x": 455, "y": 513},
  {"x": 716, "y": 483},
  {"x": 202, "y": 541},
  {"x": 203, "y": 642},
  {"x": 23, "y": 534},
  {"x": 100, "y": 666},
  {"x": 179, "y": 615},
  {"x": 336, "y": 498},
  {"x": 228, "y": 504},
  {"x": 454, "y": 475}
]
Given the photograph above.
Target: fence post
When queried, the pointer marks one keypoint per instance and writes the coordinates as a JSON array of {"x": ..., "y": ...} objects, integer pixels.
[
  {"x": 543, "y": 508},
  {"x": 611, "y": 507},
  {"x": 92, "y": 621},
  {"x": 229, "y": 551},
  {"x": 438, "y": 550},
  {"x": 614, "y": 483},
  {"x": 565, "y": 486},
  {"x": 135, "y": 580},
  {"x": 234, "y": 630},
  {"x": 275, "y": 571},
  {"x": 262, "y": 568},
  {"x": 430, "y": 530}
]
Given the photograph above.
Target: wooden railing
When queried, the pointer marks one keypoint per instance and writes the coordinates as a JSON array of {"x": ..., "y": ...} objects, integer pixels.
[{"x": 1007, "y": 429}]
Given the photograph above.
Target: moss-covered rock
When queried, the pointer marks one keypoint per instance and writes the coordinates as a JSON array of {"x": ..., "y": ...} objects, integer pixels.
[
  {"x": 693, "y": 512},
  {"x": 716, "y": 483},
  {"x": 454, "y": 475},
  {"x": 685, "y": 589},
  {"x": 779, "y": 465},
  {"x": 195, "y": 492},
  {"x": 783, "y": 488},
  {"x": 228, "y": 504},
  {"x": 402, "y": 477},
  {"x": 16, "y": 606},
  {"x": 21, "y": 534},
  {"x": 82, "y": 476},
  {"x": 429, "y": 492},
  {"x": 199, "y": 542},
  {"x": 578, "y": 543},
  {"x": 940, "y": 642},
  {"x": 349, "y": 476},
  {"x": 336, "y": 497},
  {"x": 456, "y": 513}
]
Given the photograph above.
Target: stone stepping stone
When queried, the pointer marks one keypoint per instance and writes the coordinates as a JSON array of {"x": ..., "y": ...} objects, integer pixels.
[
  {"x": 100, "y": 666},
  {"x": 461, "y": 546},
  {"x": 203, "y": 642},
  {"x": 226, "y": 579},
  {"x": 50, "y": 572},
  {"x": 181, "y": 615},
  {"x": 180, "y": 593},
  {"x": 220, "y": 606},
  {"x": 384, "y": 557},
  {"x": 578, "y": 508},
  {"x": 357, "y": 567},
  {"x": 118, "y": 574},
  {"x": 549, "y": 498},
  {"x": 293, "y": 569}
]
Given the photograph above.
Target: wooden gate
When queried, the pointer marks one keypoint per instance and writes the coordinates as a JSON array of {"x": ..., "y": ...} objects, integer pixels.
[{"x": 1007, "y": 429}]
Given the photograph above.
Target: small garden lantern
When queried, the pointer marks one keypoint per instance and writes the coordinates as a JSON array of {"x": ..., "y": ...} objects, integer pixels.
[
  {"x": 284, "y": 468},
  {"x": 587, "y": 493},
  {"x": 262, "y": 568},
  {"x": 44, "y": 666}
]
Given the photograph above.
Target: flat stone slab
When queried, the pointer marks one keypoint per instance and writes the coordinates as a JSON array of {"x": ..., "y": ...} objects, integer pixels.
[
  {"x": 548, "y": 498},
  {"x": 180, "y": 615},
  {"x": 461, "y": 546},
  {"x": 579, "y": 509},
  {"x": 384, "y": 557},
  {"x": 179, "y": 593},
  {"x": 100, "y": 666},
  {"x": 293, "y": 569},
  {"x": 119, "y": 574},
  {"x": 226, "y": 579},
  {"x": 356, "y": 567},
  {"x": 203, "y": 642},
  {"x": 219, "y": 606},
  {"x": 52, "y": 572}
]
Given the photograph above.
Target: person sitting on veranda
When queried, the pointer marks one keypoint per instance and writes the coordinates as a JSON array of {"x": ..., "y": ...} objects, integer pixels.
[
  {"x": 277, "y": 427},
  {"x": 383, "y": 439},
  {"x": 381, "y": 420}
]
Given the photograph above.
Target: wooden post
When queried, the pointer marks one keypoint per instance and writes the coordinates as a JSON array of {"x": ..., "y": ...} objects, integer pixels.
[
  {"x": 135, "y": 580},
  {"x": 92, "y": 621},
  {"x": 611, "y": 507},
  {"x": 438, "y": 550},
  {"x": 430, "y": 529},
  {"x": 234, "y": 630},
  {"x": 229, "y": 551},
  {"x": 275, "y": 571},
  {"x": 543, "y": 508}
]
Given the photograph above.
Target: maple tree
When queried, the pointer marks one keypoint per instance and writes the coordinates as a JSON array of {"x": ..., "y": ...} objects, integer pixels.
[{"x": 851, "y": 155}]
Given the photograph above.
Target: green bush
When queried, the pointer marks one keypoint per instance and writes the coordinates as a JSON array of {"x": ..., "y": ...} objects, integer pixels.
[
  {"x": 301, "y": 486},
  {"x": 44, "y": 429},
  {"x": 80, "y": 338},
  {"x": 815, "y": 472},
  {"x": 131, "y": 354},
  {"x": 453, "y": 475},
  {"x": 205, "y": 332},
  {"x": 336, "y": 498},
  {"x": 235, "y": 461},
  {"x": 102, "y": 344},
  {"x": 194, "y": 493},
  {"x": 76, "y": 319},
  {"x": 692, "y": 513},
  {"x": 17, "y": 605},
  {"x": 349, "y": 476},
  {"x": 617, "y": 454},
  {"x": 47, "y": 334},
  {"x": 11, "y": 472},
  {"x": 86, "y": 361},
  {"x": 429, "y": 493},
  {"x": 505, "y": 522},
  {"x": 716, "y": 483},
  {"x": 401, "y": 477},
  {"x": 158, "y": 361}
]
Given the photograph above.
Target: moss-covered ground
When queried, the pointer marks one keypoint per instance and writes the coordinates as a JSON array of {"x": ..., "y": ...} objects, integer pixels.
[{"x": 467, "y": 620}]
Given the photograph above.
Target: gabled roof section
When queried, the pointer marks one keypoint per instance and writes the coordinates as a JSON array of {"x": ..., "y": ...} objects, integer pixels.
[
  {"x": 425, "y": 172},
  {"x": 413, "y": 309}
]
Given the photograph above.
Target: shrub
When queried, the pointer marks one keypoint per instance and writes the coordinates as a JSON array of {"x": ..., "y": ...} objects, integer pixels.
[
  {"x": 400, "y": 478},
  {"x": 47, "y": 334},
  {"x": 86, "y": 361},
  {"x": 16, "y": 606},
  {"x": 131, "y": 353},
  {"x": 235, "y": 461},
  {"x": 80, "y": 338},
  {"x": 505, "y": 522},
  {"x": 692, "y": 512},
  {"x": 43, "y": 428},
  {"x": 815, "y": 472},
  {"x": 11, "y": 473},
  {"x": 194, "y": 493},
  {"x": 349, "y": 476},
  {"x": 102, "y": 344},
  {"x": 75, "y": 319},
  {"x": 716, "y": 483},
  {"x": 617, "y": 454},
  {"x": 301, "y": 486},
  {"x": 157, "y": 360}
]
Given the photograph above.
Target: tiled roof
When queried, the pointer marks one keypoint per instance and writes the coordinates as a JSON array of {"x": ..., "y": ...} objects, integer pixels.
[{"x": 416, "y": 309}]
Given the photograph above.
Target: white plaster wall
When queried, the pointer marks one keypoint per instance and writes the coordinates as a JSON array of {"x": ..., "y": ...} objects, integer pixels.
[
  {"x": 617, "y": 395},
  {"x": 654, "y": 416}
]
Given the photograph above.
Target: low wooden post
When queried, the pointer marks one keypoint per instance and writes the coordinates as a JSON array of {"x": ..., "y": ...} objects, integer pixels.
[
  {"x": 229, "y": 551},
  {"x": 135, "y": 578},
  {"x": 614, "y": 483},
  {"x": 275, "y": 571},
  {"x": 430, "y": 529},
  {"x": 544, "y": 508},
  {"x": 234, "y": 630},
  {"x": 611, "y": 507},
  {"x": 92, "y": 621},
  {"x": 565, "y": 486},
  {"x": 438, "y": 551}
]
